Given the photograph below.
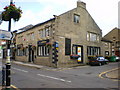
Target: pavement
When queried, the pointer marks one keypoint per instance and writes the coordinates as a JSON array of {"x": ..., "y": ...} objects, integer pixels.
[
  {"x": 111, "y": 74},
  {"x": 114, "y": 74}
]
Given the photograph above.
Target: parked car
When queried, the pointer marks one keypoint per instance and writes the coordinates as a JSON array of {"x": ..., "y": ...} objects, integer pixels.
[
  {"x": 114, "y": 59},
  {"x": 104, "y": 60},
  {"x": 98, "y": 61},
  {"x": 117, "y": 59}
]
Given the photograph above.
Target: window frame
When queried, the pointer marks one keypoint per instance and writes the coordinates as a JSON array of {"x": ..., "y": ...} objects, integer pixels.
[
  {"x": 76, "y": 18},
  {"x": 91, "y": 50},
  {"x": 67, "y": 46},
  {"x": 43, "y": 51}
]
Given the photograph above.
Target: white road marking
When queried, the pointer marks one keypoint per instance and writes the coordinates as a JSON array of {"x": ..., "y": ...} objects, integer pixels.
[
  {"x": 54, "y": 78},
  {"x": 20, "y": 70},
  {"x": 0, "y": 68}
]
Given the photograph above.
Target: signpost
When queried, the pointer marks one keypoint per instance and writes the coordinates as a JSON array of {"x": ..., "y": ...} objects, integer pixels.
[
  {"x": 8, "y": 35},
  {"x": 5, "y": 35}
]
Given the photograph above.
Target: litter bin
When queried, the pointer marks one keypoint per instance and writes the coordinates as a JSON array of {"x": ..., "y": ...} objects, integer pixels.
[{"x": 112, "y": 59}]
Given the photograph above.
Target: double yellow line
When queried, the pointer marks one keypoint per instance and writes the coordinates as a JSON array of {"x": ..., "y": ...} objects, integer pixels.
[
  {"x": 100, "y": 75},
  {"x": 14, "y": 87}
]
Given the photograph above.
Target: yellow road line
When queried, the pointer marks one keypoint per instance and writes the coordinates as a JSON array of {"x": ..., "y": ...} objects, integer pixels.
[
  {"x": 100, "y": 75},
  {"x": 14, "y": 87}
]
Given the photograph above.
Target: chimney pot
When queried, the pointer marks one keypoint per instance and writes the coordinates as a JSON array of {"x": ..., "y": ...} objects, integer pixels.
[{"x": 81, "y": 4}]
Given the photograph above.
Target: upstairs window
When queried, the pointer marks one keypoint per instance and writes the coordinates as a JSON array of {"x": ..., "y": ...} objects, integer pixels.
[
  {"x": 44, "y": 32},
  {"x": 76, "y": 18},
  {"x": 47, "y": 30},
  {"x": 93, "y": 37},
  {"x": 30, "y": 36}
]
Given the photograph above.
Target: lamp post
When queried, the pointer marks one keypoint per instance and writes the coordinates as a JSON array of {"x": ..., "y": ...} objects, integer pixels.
[{"x": 8, "y": 64}]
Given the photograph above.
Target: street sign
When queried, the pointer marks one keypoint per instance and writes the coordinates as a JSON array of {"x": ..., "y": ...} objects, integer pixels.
[{"x": 5, "y": 35}]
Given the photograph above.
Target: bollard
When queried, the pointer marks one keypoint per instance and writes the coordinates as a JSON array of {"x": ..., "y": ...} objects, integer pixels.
[
  {"x": 8, "y": 78},
  {"x": 3, "y": 76}
]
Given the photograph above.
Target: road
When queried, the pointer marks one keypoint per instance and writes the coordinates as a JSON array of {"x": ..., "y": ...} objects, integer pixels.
[
  {"x": 0, "y": 73},
  {"x": 79, "y": 77}
]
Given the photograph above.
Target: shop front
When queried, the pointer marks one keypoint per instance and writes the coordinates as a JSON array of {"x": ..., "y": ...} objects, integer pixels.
[{"x": 43, "y": 49}]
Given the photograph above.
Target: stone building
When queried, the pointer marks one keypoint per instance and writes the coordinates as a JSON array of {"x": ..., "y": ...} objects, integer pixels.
[
  {"x": 65, "y": 40},
  {"x": 114, "y": 36},
  {"x": 107, "y": 47}
]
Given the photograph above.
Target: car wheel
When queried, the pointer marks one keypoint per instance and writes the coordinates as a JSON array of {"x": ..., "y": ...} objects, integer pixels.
[{"x": 100, "y": 64}]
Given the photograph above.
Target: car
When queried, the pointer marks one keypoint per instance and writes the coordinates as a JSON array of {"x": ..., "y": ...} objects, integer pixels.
[
  {"x": 114, "y": 59},
  {"x": 117, "y": 59},
  {"x": 98, "y": 61},
  {"x": 106, "y": 61}
]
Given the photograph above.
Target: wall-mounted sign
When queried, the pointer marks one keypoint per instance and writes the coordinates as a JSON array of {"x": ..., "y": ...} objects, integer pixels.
[
  {"x": 42, "y": 42},
  {"x": 5, "y": 35}
]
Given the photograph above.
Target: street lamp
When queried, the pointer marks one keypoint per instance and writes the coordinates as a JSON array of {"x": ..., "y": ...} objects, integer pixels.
[
  {"x": 0, "y": 17},
  {"x": 10, "y": 12},
  {"x": 8, "y": 64}
]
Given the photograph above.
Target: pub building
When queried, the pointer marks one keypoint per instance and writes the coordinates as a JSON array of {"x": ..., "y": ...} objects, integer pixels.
[{"x": 63, "y": 41}]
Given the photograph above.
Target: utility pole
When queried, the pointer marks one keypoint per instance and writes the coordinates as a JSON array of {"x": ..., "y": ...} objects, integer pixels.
[{"x": 8, "y": 63}]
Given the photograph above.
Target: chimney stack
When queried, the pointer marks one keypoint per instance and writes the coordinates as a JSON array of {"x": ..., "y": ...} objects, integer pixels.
[{"x": 81, "y": 4}]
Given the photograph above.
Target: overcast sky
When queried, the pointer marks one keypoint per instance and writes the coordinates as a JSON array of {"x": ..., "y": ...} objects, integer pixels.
[{"x": 104, "y": 12}]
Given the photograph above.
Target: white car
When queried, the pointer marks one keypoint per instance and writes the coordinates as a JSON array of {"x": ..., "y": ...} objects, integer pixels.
[{"x": 117, "y": 58}]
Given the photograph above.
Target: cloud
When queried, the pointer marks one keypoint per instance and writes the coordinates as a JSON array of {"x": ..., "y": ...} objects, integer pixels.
[
  {"x": 104, "y": 12},
  {"x": 119, "y": 14}
]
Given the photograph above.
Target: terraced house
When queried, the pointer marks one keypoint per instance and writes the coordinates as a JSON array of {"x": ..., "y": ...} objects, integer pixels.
[
  {"x": 65, "y": 40},
  {"x": 113, "y": 36}
]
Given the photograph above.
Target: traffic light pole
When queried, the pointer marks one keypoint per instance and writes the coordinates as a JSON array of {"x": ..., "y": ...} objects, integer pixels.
[{"x": 8, "y": 64}]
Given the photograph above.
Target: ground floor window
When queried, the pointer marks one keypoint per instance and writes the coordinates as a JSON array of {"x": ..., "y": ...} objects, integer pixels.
[
  {"x": 20, "y": 52},
  {"x": 74, "y": 49},
  {"x": 91, "y": 50},
  {"x": 26, "y": 51},
  {"x": 43, "y": 50}
]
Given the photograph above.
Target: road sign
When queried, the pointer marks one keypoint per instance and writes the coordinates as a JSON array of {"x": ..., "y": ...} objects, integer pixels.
[{"x": 5, "y": 35}]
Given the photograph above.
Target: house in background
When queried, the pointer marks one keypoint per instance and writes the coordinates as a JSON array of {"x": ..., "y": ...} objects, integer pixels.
[
  {"x": 54, "y": 42},
  {"x": 114, "y": 36},
  {"x": 107, "y": 48}
]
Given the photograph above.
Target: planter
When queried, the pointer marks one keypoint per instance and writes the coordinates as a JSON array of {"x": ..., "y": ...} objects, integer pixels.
[
  {"x": 48, "y": 45},
  {"x": 11, "y": 12},
  {"x": 74, "y": 56}
]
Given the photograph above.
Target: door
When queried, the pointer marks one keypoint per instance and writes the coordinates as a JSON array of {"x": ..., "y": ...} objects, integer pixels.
[
  {"x": 78, "y": 50},
  {"x": 31, "y": 54}
]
